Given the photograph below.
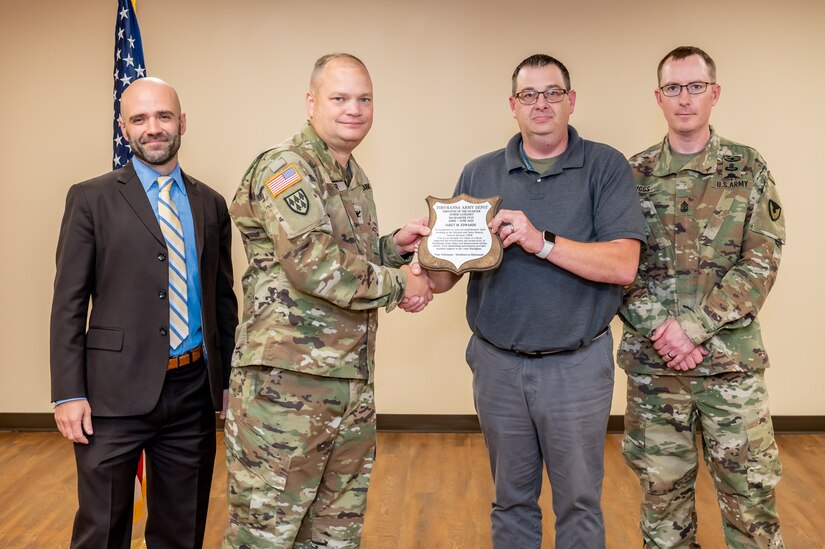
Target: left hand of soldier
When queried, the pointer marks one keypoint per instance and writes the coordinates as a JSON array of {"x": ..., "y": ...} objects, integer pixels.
[
  {"x": 513, "y": 227},
  {"x": 673, "y": 344},
  {"x": 407, "y": 238}
]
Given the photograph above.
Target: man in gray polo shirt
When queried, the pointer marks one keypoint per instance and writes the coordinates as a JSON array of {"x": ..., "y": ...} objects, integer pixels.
[{"x": 541, "y": 351}]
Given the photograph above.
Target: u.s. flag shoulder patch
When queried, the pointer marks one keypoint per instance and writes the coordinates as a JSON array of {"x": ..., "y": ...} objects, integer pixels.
[{"x": 283, "y": 180}]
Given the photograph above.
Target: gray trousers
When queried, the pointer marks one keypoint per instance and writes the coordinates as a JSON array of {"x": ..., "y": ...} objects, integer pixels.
[{"x": 552, "y": 409}]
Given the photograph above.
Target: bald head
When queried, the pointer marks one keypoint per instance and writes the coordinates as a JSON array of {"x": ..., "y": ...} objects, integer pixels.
[
  {"x": 148, "y": 86},
  {"x": 339, "y": 59},
  {"x": 151, "y": 121}
]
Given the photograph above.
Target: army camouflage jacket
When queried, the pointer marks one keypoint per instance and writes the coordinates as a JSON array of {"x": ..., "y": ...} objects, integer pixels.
[
  {"x": 317, "y": 267},
  {"x": 715, "y": 236}
]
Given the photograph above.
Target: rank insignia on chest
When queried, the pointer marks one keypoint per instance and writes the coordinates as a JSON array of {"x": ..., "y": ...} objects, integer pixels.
[
  {"x": 775, "y": 210},
  {"x": 298, "y": 202},
  {"x": 283, "y": 180}
]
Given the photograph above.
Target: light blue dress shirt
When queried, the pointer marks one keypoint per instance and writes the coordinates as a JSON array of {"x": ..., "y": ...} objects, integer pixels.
[{"x": 148, "y": 178}]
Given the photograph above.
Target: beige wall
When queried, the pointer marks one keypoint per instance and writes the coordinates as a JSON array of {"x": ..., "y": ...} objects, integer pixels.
[{"x": 441, "y": 73}]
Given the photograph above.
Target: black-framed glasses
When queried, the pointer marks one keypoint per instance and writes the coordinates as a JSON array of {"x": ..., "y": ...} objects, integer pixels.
[
  {"x": 693, "y": 88},
  {"x": 529, "y": 97}
]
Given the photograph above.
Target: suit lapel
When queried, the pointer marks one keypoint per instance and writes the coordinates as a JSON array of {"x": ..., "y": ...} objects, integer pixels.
[
  {"x": 196, "y": 206},
  {"x": 133, "y": 192}
]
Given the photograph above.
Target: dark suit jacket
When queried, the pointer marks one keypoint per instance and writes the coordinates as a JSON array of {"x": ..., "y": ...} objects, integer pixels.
[{"x": 111, "y": 250}]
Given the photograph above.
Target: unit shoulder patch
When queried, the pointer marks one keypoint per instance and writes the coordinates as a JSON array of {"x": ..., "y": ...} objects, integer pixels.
[
  {"x": 298, "y": 202},
  {"x": 774, "y": 210}
]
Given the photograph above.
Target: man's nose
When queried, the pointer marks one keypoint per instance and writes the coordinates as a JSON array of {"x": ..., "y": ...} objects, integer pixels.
[
  {"x": 152, "y": 125},
  {"x": 354, "y": 108},
  {"x": 542, "y": 101}
]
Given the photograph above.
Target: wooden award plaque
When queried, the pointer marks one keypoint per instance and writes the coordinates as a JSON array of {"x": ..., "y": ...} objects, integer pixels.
[{"x": 460, "y": 239}]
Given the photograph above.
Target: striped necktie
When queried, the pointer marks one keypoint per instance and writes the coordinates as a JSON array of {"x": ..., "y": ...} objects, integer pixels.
[{"x": 173, "y": 233}]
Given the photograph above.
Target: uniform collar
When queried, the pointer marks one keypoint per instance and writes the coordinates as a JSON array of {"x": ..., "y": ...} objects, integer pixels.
[
  {"x": 322, "y": 152},
  {"x": 704, "y": 162}
]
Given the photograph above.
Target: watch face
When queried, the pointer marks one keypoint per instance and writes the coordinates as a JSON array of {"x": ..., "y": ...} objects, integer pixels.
[{"x": 550, "y": 237}]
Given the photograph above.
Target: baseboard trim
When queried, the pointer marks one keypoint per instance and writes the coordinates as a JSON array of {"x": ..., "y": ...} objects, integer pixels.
[
  {"x": 428, "y": 423},
  {"x": 27, "y": 422},
  {"x": 798, "y": 424},
  {"x": 422, "y": 423}
]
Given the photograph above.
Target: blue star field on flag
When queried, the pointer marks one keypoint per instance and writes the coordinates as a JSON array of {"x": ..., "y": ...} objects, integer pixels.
[{"x": 129, "y": 66}]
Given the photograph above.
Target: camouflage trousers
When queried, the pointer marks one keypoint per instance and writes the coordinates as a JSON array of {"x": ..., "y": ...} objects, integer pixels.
[
  {"x": 300, "y": 450},
  {"x": 739, "y": 450}
]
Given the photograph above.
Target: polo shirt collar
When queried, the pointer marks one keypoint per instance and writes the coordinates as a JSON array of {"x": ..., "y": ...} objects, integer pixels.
[{"x": 572, "y": 157}]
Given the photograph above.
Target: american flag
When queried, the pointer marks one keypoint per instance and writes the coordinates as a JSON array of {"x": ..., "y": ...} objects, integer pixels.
[
  {"x": 283, "y": 180},
  {"x": 129, "y": 66}
]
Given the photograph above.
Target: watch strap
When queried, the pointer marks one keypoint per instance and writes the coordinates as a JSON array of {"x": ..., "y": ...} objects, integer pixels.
[{"x": 549, "y": 242}]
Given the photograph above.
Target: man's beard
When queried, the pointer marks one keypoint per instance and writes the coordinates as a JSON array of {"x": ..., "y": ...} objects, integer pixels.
[{"x": 157, "y": 157}]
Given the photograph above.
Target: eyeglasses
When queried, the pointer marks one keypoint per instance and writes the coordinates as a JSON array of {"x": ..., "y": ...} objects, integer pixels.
[
  {"x": 529, "y": 97},
  {"x": 694, "y": 88}
]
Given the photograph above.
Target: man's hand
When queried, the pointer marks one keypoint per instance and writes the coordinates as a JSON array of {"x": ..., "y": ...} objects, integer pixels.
[
  {"x": 407, "y": 238},
  {"x": 513, "y": 227},
  {"x": 691, "y": 361},
  {"x": 225, "y": 406},
  {"x": 675, "y": 347},
  {"x": 418, "y": 292},
  {"x": 440, "y": 281},
  {"x": 74, "y": 420}
]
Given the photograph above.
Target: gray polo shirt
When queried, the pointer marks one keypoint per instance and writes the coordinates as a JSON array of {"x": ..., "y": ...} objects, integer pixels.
[{"x": 528, "y": 304}]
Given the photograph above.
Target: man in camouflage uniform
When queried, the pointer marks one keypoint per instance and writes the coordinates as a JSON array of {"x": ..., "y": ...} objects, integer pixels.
[
  {"x": 300, "y": 430},
  {"x": 691, "y": 345}
]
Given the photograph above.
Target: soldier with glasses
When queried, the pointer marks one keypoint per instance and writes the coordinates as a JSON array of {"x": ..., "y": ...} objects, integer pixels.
[{"x": 691, "y": 346}]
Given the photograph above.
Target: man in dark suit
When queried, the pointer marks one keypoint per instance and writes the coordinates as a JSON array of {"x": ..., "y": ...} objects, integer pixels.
[{"x": 150, "y": 246}]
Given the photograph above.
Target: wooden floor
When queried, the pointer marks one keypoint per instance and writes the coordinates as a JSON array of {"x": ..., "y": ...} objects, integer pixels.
[{"x": 428, "y": 491}]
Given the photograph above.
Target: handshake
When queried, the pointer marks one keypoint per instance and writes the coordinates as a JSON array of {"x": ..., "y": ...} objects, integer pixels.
[
  {"x": 512, "y": 227},
  {"x": 419, "y": 289}
]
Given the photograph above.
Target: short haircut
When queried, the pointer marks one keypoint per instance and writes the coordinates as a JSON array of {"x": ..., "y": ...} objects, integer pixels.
[
  {"x": 539, "y": 60},
  {"x": 324, "y": 60},
  {"x": 683, "y": 52}
]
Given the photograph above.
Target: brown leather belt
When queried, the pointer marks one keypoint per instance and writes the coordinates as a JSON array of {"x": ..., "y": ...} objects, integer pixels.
[{"x": 186, "y": 358}]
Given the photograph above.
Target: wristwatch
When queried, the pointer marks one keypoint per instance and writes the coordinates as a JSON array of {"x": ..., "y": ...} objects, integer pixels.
[{"x": 549, "y": 242}]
